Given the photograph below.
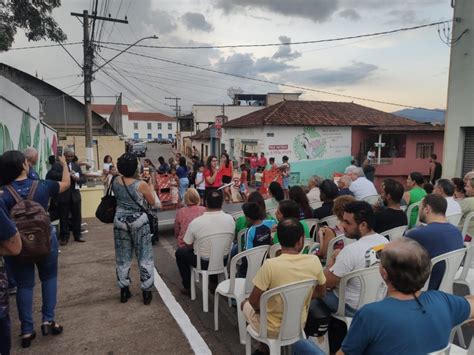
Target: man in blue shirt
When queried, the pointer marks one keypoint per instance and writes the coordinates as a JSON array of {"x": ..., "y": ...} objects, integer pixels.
[
  {"x": 407, "y": 321},
  {"x": 438, "y": 236},
  {"x": 10, "y": 244},
  {"x": 32, "y": 156}
]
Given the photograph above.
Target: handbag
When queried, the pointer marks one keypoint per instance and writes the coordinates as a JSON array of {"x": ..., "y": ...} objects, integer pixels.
[
  {"x": 108, "y": 205},
  {"x": 152, "y": 217}
]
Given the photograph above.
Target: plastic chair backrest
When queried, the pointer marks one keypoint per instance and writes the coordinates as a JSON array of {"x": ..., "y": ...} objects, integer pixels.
[
  {"x": 395, "y": 233},
  {"x": 331, "y": 221},
  {"x": 372, "y": 199},
  {"x": 410, "y": 209},
  {"x": 255, "y": 258},
  {"x": 452, "y": 261},
  {"x": 219, "y": 245},
  {"x": 308, "y": 243},
  {"x": 315, "y": 205},
  {"x": 467, "y": 221},
  {"x": 333, "y": 242},
  {"x": 371, "y": 284},
  {"x": 239, "y": 239},
  {"x": 454, "y": 219},
  {"x": 312, "y": 224},
  {"x": 273, "y": 250},
  {"x": 444, "y": 351},
  {"x": 293, "y": 297},
  {"x": 272, "y": 212},
  {"x": 467, "y": 262}
]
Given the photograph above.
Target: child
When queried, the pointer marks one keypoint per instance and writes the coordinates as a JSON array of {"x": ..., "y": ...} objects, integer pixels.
[
  {"x": 243, "y": 182},
  {"x": 235, "y": 188},
  {"x": 174, "y": 183},
  {"x": 258, "y": 178},
  {"x": 199, "y": 182}
]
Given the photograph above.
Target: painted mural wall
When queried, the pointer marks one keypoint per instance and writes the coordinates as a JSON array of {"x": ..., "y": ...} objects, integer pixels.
[
  {"x": 312, "y": 150},
  {"x": 20, "y": 126}
]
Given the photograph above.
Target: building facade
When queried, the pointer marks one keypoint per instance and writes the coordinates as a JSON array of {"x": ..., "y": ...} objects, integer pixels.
[{"x": 151, "y": 125}]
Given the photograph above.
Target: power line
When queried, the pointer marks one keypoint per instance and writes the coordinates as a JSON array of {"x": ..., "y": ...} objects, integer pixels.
[
  {"x": 45, "y": 46},
  {"x": 403, "y": 29},
  {"x": 272, "y": 82}
]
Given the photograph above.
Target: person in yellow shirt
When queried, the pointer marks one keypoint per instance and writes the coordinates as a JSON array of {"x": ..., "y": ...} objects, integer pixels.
[{"x": 289, "y": 267}]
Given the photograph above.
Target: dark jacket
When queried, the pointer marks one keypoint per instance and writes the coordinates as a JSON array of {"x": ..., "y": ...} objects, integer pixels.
[{"x": 56, "y": 173}]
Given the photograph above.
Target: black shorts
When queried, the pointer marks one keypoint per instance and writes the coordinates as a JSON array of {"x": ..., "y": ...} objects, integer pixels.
[{"x": 226, "y": 179}]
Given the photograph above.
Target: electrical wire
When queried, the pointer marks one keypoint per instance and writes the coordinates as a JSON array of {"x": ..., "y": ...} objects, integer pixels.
[
  {"x": 45, "y": 46},
  {"x": 403, "y": 29}
]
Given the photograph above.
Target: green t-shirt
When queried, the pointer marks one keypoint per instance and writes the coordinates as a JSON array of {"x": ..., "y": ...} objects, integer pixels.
[
  {"x": 242, "y": 223},
  {"x": 306, "y": 234},
  {"x": 416, "y": 194}
]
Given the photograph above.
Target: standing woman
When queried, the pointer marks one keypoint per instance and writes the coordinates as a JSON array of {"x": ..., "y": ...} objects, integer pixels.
[
  {"x": 226, "y": 171},
  {"x": 131, "y": 227},
  {"x": 211, "y": 176},
  {"x": 182, "y": 173},
  {"x": 415, "y": 183},
  {"x": 149, "y": 171},
  {"x": 14, "y": 168}
]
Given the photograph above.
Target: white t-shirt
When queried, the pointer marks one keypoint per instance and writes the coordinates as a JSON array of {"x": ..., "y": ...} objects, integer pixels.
[
  {"x": 370, "y": 155},
  {"x": 453, "y": 206},
  {"x": 351, "y": 258},
  {"x": 314, "y": 195},
  {"x": 362, "y": 187},
  {"x": 208, "y": 223},
  {"x": 200, "y": 180}
]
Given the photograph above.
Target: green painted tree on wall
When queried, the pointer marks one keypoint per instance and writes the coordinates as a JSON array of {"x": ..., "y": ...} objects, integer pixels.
[
  {"x": 6, "y": 142},
  {"x": 36, "y": 139},
  {"x": 25, "y": 132}
]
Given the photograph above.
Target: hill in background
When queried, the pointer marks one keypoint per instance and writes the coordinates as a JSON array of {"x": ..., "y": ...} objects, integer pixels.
[{"x": 421, "y": 115}]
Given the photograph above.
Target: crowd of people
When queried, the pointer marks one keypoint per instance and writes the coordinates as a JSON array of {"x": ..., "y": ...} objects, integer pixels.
[{"x": 289, "y": 216}]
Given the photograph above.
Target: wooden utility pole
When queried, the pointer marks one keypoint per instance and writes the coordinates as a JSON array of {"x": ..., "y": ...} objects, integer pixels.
[
  {"x": 176, "y": 109},
  {"x": 87, "y": 69}
]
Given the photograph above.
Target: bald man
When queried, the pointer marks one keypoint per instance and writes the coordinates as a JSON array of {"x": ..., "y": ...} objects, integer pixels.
[
  {"x": 407, "y": 321},
  {"x": 32, "y": 157}
]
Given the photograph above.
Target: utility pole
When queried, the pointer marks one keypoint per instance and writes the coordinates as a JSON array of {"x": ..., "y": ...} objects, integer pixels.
[
  {"x": 176, "y": 109},
  {"x": 88, "y": 77}
]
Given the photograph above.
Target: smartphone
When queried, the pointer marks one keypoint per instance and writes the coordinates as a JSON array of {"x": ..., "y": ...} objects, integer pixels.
[{"x": 60, "y": 151}]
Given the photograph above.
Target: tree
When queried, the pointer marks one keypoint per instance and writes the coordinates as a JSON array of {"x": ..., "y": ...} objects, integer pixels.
[{"x": 33, "y": 16}]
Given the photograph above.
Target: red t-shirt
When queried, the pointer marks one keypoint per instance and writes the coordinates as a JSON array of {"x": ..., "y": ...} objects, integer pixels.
[
  {"x": 262, "y": 162},
  {"x": 243, "y": 177},
  {"x": 253, "y": 162},
  {"x": 217, "y": 181}
]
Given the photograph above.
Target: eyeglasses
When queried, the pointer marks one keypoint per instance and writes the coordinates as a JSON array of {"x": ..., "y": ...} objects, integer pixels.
[{"x": 214, "y": 160}]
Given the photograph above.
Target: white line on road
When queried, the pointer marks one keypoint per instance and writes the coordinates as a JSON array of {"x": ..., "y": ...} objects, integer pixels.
[{"x": 197, "y": 343}]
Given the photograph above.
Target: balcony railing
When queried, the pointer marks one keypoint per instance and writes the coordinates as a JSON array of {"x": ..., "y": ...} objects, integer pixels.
[{"x": 383, "y": 161}]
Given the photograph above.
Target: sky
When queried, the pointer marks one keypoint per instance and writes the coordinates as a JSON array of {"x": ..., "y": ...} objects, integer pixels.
[{"x": 408, "y": 68}]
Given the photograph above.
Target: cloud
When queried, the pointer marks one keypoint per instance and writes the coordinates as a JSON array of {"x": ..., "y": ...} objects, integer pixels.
[
  {"x": 404, "y": 17},
  {"x": 350, "y": 14},
  {"x": 314, "y": 10},
  {"x": 245, "y": 65},
  {"x": 195, "y": 21},
  {"x": 348, "y": 75},
  {"x": 284, "y": 53}
]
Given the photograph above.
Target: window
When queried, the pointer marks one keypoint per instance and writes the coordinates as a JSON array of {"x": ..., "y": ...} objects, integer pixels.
[
  {"x": 135, "y": 125},
  {"x": 148, "y": 126},
  {"x": 424, "y": 150},
  {"x": 148, "y": 136},
  {"x": 170, "y": 126},
  {"x": 136, "y": 136},
  {"x": 170, "y": 136},
  {"x": 160, "y": 136},
  {"x": 159, "y": 125}
]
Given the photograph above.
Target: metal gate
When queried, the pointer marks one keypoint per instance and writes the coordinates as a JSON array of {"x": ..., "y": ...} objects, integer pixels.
[{"x": 468, "y": 156}]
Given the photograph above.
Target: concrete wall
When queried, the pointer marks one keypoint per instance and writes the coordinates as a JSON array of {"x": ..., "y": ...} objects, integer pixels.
[
  {"x": 460, "y": 110},
  {"x": 143, "y": 130},
  {"x": 274, "y": 98}
]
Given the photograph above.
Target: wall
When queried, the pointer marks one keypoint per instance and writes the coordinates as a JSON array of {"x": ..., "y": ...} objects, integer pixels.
[
  {"x": 143, "y": 131},
  {"x": 274, "y": 98},
  {"x": 311, "y": 150},
  {"x": 108, "y": 145},
  {"x": 460, "y": 109},
  {"x": 20, "y": 126}
]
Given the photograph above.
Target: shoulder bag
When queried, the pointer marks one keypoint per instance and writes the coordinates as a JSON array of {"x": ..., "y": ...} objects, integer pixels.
[{"x": 108, "y": 205}]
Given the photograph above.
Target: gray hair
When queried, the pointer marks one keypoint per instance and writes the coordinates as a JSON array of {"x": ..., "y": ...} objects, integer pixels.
[
  {"x": 346, "y": 180},
  {"x": 447, "y": 186},
  {"x": 316, "y": 180},
  {"x": 30, "y": 152},
  {"x": 69, "y": 150},
  {"x": 358, "y": 171}
]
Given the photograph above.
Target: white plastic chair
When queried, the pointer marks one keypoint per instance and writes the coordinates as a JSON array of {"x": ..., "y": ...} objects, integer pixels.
[
  {"x": 331, "y": 221},
  {"x": 395, "y": 233},
  {"x": 239, "y": 239},
  {"x": 240, "y": 288},
  {"x": 219, "y": 245},
  {"x": 467, "y": 266},
  {"x": 410, "y": 209},
  {"x": 372, "y": 288},
  {"x": 444, "y": 351},
  {"x": 461, "y": 350},
  {"x": 454, "y": 219},
  {"x": 315, "y": 205},
  {"x": 467, "y": 222},
  {"x": 372, "y": 199},
  {"x": 452, "y": 261},
  {"x": 272, "y": 212},
  {"x": 293, "y": 298},
  {"x": 333, "y": 242},
  {"x": 312, "y": 224}
]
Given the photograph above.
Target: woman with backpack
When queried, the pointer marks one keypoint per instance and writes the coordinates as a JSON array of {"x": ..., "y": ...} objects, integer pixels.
[{"x": 17, "y": 188}]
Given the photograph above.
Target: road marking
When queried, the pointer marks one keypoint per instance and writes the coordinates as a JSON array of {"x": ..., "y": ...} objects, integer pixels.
[{"x": 197, "y": 343}]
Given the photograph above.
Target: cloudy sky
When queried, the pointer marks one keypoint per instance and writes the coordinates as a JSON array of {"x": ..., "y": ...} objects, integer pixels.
[{"x": 409, "y": 68}]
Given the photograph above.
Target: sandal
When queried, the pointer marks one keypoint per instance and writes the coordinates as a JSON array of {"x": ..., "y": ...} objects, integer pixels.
[
  {"x": 52, "y": 327},
  {"x": 26, "y": 340}
]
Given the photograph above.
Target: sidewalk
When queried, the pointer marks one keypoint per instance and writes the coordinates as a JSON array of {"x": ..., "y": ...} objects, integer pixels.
[{"x": 88, "y": 307}]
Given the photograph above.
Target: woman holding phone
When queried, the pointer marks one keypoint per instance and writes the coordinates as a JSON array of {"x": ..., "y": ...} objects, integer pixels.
[{"x": 212, "y": 176}]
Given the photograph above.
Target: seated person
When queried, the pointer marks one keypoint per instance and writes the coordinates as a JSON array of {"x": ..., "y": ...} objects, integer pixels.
[
  {"x": 467, "y": 206},
  {"x": 390, "y": 216},
  {"x": 445, "y": 188},
  {"x": 313, "y": 186},
  {"x": 289, "y": 209},
  {"x": 329, "y": 192},
  {"x": 407, "y": 321},
  {"x": 260, "y": 231},
  {"x": 289, "y": 267},
  {"x": 242, "y": 222},
  {"x": 298, "y": 195},
  {"x": 358, "y": 223},
  {"x": 361, "y": 187},
  {"x": 343, "y": 184}
]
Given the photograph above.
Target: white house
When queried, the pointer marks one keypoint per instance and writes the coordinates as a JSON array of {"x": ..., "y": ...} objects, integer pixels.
[{"x": 151, "y": 125}]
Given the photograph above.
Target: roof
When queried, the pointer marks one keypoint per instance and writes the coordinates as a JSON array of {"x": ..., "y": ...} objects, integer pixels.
[
  {"x": 204, "y": 135},
  {"x": 150, "y": 116},
  {"x": 106, "y": 109},
  {"x": 319, "y": 113},
  {"x": 420, "y": 127}
]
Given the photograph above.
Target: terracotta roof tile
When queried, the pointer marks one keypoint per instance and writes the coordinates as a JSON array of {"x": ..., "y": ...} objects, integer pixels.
[
  {"x": 106, "y": 109},
  {"x": 319, "y": 113},
  {"x": 203, "y": 135},
  {"x": 150, "y": 116}
]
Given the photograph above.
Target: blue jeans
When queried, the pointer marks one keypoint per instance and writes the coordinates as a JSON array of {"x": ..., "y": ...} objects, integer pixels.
[
  {"x": 183, "y": 186},
  {"x": 306, "y": 347},
  {"x": 24, "y": 274}
]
